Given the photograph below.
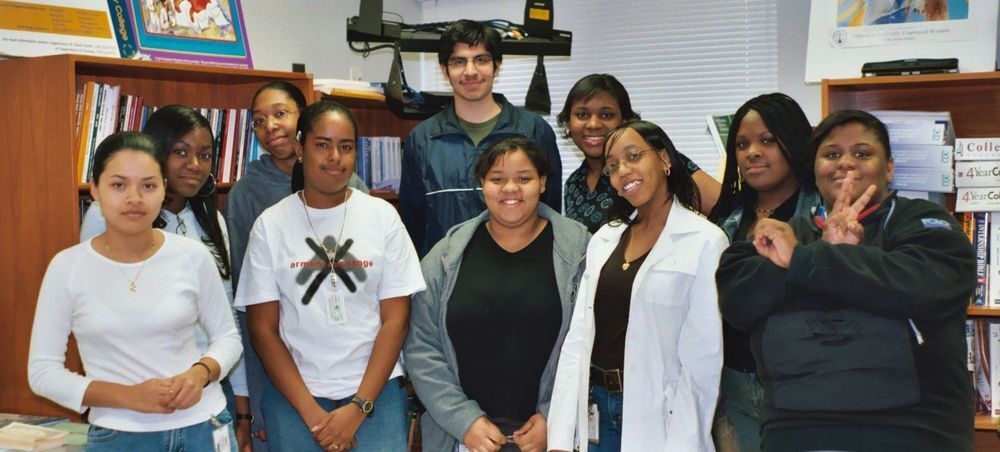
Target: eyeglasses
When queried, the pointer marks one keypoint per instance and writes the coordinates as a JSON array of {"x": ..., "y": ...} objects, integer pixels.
[
  {"x": 461, "y": 63},
  {"x": 260, "y": 122},
  {"x": 631, "y": 158}
]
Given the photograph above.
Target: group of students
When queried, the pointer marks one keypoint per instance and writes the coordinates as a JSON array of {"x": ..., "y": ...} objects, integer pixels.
[{"x": 833, "y": 321}]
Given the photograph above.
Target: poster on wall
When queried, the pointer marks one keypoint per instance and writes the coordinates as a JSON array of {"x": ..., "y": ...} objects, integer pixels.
[
  {"x": 36, "y": 28},
  {"x": 206, "y": 32},
  {"x": 846, "y": 34}
]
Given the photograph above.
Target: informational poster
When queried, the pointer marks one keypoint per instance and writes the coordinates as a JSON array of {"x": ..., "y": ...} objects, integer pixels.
[
  {"x": 209, "y": 32},
  {"x": 846, "y": 34},
  {"x": 36, "y": 28}
]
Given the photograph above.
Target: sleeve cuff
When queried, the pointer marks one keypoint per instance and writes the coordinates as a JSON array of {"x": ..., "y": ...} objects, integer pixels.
[{"x": 800, "y": 265}]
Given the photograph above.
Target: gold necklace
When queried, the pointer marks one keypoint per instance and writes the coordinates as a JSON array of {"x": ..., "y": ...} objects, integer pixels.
[
  {"x": 760, "y": 211},
  {"x": 329, "y": 256},
  {"x": 132, "y": 287}
]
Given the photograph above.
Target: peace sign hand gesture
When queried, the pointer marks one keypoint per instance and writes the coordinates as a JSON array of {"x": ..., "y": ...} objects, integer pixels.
[{"x": 842, "y": 225}]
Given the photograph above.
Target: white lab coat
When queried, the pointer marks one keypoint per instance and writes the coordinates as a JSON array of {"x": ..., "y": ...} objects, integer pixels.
[{"x": 673, "y": 345}]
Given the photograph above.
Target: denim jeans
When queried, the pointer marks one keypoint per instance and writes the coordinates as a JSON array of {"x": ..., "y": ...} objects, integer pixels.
[
  {"x": 194, "y": 438},
  {"x": 609, "y": 409},
  {"x": 386, "y": 430},
  {"x": 257, "y": 383},
  {"x": 737, "y": 417}
]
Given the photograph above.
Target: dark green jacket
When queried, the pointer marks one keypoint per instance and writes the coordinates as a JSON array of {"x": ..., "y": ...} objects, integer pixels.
[{"x": 835, "y": 335}]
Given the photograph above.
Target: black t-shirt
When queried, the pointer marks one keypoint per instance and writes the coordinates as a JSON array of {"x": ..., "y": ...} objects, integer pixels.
[
  {"x": 735, "y": 343},
  {"x": 612, "y": 300},
  {"x": 503, "y": 319}
]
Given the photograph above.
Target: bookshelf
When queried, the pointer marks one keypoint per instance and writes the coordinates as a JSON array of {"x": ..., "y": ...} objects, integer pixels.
[
  {"x": 375, "y": 119},
  {"x": 974, "y": 102},
  {"x": 39, "y": 171}
]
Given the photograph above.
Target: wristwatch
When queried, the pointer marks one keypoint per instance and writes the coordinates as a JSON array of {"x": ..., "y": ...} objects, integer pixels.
[
  {"x": 367, "y": 406},
  {"x": 244, "y": 416}
]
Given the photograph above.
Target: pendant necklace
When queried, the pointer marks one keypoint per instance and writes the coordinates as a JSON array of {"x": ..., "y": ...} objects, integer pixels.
[
  {"x": 330, "y": 256},
  {"x": 132, "y": 286}
]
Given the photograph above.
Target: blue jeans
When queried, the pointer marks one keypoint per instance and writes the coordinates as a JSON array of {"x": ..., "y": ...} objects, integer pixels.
[
  {"x": 257, "y": 383},
  {"x": 194, "y": 438},
  {"x": 386, "y": 430},
  {"x": 737, "y": 417},
  {"x": 609, "y": 408}
]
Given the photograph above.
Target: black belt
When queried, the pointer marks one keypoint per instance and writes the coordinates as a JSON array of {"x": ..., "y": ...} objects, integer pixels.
[{"x": 612, "y": 379}]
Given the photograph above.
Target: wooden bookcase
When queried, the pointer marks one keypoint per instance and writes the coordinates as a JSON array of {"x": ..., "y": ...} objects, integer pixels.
[
  {"x": 375, "y": 120},
  {"x": 39, "y": 170},
  {"x": 974, "y": 102}
]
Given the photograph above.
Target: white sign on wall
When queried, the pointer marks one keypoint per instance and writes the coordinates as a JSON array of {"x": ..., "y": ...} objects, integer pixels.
[{"x": 845, "y": 34}]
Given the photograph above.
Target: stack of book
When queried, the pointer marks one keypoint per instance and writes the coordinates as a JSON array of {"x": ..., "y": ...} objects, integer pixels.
[
  {"x": 977, "y": 177},
  {"x": 102, "y": 109},
  {"x": 923, "y": 151},
  {"x": 379, "y": 162}
]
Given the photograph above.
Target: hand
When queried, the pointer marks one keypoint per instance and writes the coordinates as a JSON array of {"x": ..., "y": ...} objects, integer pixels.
[
  {"x": 484, "y": 436},
  {"x": 261, "y": 434},
  {"x": 243, "y": 436},
  {"x": 531, "y": 436},
  {"x": 337, "y": 430},
  {"x": 150, "y": 396},
  {"x": 775, "y": 240},
  {"x": 186, "y": 387},
  {"x": 842, "y": 226}
]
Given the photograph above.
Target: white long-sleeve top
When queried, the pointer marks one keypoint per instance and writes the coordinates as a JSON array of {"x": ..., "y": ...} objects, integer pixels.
[
  {"x": 183, "y": 223},
  {"x": 128, "y": 338}
]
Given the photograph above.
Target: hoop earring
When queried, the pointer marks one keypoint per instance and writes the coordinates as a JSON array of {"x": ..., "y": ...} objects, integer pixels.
[{"x": 208, "y": 188}]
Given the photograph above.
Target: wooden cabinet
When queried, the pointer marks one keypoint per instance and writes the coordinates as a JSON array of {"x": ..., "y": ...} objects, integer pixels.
[
  {"x": 38, "y": 169},
  {"x": 974, "y": 102}
]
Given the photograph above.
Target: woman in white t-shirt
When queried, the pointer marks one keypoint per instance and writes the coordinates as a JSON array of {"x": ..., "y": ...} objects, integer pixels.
[
  {"x": 133, "y": 297},
  {"x": 190, "y": 208},
  {"x": 327, "y": 281}
]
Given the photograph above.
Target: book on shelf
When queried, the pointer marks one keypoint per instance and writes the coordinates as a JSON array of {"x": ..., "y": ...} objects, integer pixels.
[
  {"x": 917, "y": 127},
  {"x": 102, "y": 109},
  {"x": 981, "y": 228},
  {"x": 9, "y": 418},
  {"x": 379, "y": 162},
  {"x": 17, "y": 435},
  {"x": 923, "y": 155},
  {"x": 981, "y": 380},
  {"x": 985, "y": 173},
  {"x": 923, "y": 179},
  {"x": 211, "y": 33},
  {"x": 972, "y": 149},
  {"x": 977, "y": 199}
]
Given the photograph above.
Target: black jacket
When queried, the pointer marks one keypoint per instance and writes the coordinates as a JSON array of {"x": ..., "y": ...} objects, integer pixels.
[{"x": 835, "y": 336}]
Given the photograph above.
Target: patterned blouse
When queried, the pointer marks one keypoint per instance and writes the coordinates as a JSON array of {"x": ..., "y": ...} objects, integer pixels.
[{"x": 589, "y": 207}]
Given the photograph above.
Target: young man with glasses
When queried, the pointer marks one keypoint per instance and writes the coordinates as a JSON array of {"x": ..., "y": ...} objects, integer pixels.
[{"x": 438, "y": 190}]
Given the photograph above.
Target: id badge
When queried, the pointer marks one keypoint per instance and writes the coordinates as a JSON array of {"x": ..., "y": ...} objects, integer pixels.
[
  {"x": 337, "y": 308},
  {"x": 593, "y": 424},
  {"x": 220, "y": 437},
  {"x": 461, "y": 448}
]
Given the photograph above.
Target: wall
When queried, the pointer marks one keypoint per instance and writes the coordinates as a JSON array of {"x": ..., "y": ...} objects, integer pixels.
[
  {"x": 793, "y": 36},
  {"x": 314, "y": 32}
]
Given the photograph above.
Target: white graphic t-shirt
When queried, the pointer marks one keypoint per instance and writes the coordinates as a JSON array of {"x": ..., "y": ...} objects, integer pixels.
[{"x": 374, "y": 259}]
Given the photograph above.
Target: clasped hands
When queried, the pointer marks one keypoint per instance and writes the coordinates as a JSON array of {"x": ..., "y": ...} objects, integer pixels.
[
  {"x": 335, "y": 430},
  {"x": 776, "y": 241},
  {"x": 164, "y": 395},
  {"x": 485, "y": 436}
]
